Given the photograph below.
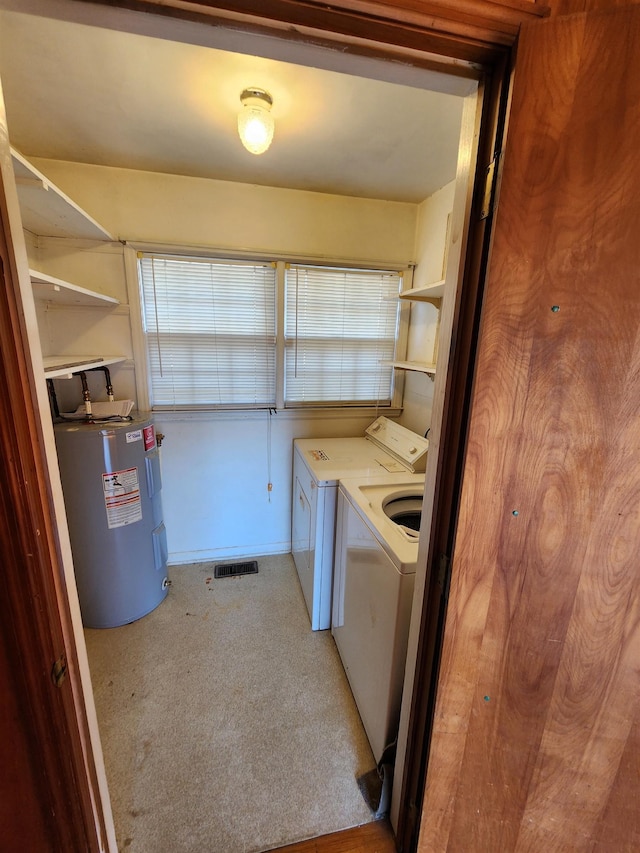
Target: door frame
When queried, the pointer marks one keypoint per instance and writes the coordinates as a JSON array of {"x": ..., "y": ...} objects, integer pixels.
[
  {"x": 36, "y": 623},
  {"x": 478, "y": 46},
  {"x": 453, "y": 412}
]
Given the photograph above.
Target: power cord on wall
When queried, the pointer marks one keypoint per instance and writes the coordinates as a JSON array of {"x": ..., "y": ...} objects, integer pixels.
[{"x": 270, "y": 412}]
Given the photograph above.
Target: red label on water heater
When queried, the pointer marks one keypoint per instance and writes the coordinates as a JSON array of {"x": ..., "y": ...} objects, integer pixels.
[{"x": 149, "y": 437}]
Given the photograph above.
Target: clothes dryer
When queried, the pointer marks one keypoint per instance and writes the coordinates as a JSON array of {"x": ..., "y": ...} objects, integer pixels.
[{"x": 318, "y": 465}]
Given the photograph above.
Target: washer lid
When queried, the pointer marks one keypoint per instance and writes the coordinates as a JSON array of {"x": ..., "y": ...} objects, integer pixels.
[
  {"x": 403, "y": 444},
  {"x": 368, "y": 498}
]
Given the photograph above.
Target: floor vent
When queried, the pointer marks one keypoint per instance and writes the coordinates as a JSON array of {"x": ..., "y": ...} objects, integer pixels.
[{"x": 234, "y": 570}]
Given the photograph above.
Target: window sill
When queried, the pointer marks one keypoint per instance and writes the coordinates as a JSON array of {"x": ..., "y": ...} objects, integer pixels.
[{"x": 310, "y": 413}]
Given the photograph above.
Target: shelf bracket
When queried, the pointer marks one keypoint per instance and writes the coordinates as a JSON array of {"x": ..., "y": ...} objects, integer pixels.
[{"x": 36, "y": 183}]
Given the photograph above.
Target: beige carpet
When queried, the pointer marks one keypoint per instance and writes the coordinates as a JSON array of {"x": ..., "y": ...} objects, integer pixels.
[{"x": 228, "y": 725}]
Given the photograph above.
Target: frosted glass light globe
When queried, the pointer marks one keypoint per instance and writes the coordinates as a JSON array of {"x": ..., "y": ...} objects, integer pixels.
[{"x": 255, "y": 122}]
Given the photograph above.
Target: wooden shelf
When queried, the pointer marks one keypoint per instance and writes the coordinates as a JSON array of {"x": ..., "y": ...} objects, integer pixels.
[
  {"x": 51, "y": 289},
  {"x": 46, "y": 210},
  {"x": 417, "y": 366},
  {"x": 427, "y": 293},
  {"x": 64, "y": 366}
]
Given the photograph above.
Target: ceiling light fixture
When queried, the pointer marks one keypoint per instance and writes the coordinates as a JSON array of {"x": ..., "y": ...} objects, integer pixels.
[{"x": 255, "y": 122}]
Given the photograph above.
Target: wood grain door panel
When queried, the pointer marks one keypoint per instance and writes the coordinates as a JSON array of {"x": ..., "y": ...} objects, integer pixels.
[{"x": 538, "y": 708}]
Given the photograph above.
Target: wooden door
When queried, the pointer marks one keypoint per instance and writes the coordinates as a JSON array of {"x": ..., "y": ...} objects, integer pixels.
[{"x": 537, "y": 723}]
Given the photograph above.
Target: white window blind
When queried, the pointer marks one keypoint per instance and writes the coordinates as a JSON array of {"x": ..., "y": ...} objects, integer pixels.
[
  {"x": 210, "y": 331},
  {"x": 340, "y": 324}
]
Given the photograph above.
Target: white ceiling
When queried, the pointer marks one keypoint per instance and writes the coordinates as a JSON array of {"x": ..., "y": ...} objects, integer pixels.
[{"x": 104, "y": 96}]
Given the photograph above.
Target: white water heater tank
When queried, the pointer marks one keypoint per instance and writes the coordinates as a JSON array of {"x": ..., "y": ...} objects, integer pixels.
[{"x": 111, "y": 482}]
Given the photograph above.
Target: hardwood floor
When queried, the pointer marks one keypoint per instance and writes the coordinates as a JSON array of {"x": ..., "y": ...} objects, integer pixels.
[{"x": 376, "y": 837}]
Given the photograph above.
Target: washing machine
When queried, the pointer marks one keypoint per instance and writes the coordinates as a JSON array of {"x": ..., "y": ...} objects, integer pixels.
[
  {"x": 318, "y": 465},
  {"x": 377, "y": 529}
]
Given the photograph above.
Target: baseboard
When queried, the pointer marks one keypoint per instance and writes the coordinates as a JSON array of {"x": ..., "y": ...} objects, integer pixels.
[{"x": 181, "y": 558}]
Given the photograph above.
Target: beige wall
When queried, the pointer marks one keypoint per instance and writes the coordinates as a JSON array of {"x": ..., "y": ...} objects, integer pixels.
[
  {"x": 430, "y": 246},
  {"x": 150, "y": 207}
]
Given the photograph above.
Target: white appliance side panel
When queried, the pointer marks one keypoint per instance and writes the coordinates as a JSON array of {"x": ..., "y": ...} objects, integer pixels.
[
  {"x": 303, "y": 528},
  {"x": 324, "y": 554},
  {"x": 312, "y": 535},
  {"x": 300, "y": 516},
  {"x": 371, "y": 609},
  {"x": 301, "y": 539}
]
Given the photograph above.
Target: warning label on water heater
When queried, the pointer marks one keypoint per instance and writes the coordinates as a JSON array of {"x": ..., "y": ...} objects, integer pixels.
[{"x": 122, "y": 497}]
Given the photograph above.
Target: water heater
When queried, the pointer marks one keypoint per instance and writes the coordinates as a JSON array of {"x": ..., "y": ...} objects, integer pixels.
[{"x": 111, "y": 482}]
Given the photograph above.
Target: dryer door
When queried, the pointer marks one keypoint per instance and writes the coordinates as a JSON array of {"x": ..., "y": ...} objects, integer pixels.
[
  {"x": 301, "y": 530},
  {"x": 303, "y": 544}
]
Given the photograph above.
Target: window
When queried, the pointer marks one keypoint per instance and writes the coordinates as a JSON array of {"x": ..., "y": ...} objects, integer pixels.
[
  {"x": 340, "y": 326},
  {"x": 210, "y": 331}
]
